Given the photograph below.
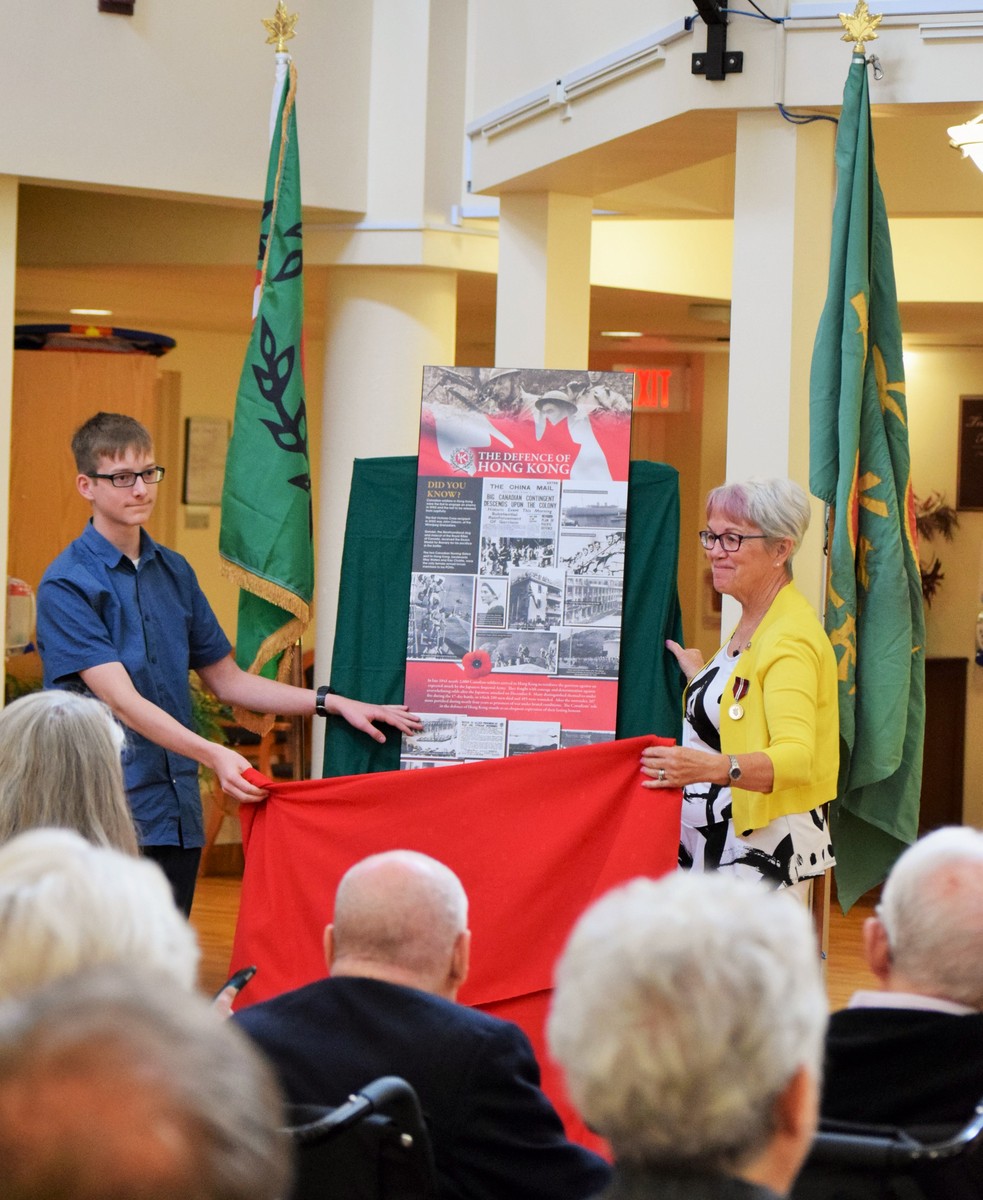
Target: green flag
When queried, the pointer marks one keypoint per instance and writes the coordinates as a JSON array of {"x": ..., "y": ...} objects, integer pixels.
[
  {"x": 859, "y": 463},
  {"x": 266, "y": 541}
]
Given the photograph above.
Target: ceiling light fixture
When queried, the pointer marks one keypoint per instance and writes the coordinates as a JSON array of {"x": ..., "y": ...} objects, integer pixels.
[
  {"x": 91, "y": 312},
  {"x": 621, "y": 333},
  {"x": 968, "y": 138},
  {"x": 716, "y": 313}
]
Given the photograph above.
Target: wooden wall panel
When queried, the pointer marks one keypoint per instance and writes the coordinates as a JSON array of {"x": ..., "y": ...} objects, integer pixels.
[{"x": 54, "y": 392}]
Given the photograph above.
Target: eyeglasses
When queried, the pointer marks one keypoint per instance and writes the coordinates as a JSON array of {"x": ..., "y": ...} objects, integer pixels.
[
  {"x": 126, "y": 479},
  {"x": 729, "y": 541}
]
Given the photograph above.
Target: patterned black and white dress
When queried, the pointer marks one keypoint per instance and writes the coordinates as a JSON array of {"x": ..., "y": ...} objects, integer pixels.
[{"x": 784, "y": 852}]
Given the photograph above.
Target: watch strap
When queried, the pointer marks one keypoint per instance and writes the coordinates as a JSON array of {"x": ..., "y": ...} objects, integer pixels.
[{"x": 324, "y": 690}]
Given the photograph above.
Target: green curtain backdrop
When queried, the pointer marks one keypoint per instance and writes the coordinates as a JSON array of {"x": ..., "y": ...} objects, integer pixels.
[{"x": 373, "y": 607}]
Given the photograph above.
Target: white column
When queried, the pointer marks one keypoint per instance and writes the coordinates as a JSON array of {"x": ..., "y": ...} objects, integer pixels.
[
  {"x": 8, "y": 272},
  {"x": 783, "y": 199},
  {"x": 383, "y": 325},
  {"x": 543, "y": 311}
]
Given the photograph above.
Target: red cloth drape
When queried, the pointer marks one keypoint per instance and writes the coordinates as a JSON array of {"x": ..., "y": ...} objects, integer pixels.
[{"x": 534, "y": 839}]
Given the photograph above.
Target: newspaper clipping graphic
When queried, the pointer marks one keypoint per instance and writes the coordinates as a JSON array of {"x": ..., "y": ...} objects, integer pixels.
[{"x": 514, "y": 630}]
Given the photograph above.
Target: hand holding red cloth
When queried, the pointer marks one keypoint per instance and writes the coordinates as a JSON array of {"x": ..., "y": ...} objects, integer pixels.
[{"x": 534, "y": 839}]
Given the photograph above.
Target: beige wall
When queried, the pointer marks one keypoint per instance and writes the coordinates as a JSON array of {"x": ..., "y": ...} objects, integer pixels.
[
  {"x": 209, "y": 365},
  {"x": 935, "y": 381},
  {"x": 171, "y": 99}
]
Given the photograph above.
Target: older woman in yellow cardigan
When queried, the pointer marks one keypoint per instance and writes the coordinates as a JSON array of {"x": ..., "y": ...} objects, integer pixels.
[{"x": 760, "y": 747}]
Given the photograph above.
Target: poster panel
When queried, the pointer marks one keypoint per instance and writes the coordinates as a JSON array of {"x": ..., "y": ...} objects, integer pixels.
[{"x": 513, "y": 640}]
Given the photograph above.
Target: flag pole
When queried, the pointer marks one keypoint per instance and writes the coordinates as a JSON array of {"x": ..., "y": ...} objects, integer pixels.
[
  {"x": 281, "y": 30},
  {"x": 266, "y": 538}
]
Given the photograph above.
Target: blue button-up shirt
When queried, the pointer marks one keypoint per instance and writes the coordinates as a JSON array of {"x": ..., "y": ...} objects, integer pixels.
[{"x": 95, "y": 607}]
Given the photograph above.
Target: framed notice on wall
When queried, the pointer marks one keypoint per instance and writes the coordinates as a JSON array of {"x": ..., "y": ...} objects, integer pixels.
[
  {"x": 969, "y": 488},
  {"x": 207, "y": 442}
]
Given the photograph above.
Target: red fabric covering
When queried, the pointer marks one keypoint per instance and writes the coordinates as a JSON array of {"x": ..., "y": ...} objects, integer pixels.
[{"x": 534, "y": 839}]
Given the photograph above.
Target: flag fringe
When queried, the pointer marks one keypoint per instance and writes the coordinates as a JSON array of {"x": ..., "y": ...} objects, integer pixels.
[
  {"x": 275, "y": 593},
  {"x": 281, "y": 641}
]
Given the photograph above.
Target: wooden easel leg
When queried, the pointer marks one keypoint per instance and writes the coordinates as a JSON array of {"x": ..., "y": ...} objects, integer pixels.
[{"x": 820, "y": 913}]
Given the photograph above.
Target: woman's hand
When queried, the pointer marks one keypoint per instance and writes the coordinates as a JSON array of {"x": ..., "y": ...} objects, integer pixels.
[
  {"x": 678, "y": 766},
  {"x": 690, "y": 661}
]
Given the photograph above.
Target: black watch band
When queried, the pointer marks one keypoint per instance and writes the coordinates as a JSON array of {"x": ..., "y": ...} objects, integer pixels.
[{"x": 324, "y": 690}]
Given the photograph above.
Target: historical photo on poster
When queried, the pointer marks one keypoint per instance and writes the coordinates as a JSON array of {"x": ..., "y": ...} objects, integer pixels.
[
  {"x": 437, "y": 739},
  {"x": 584, "y": 737},
  {"x": 590, "y": 653},
  {"x": 520, "y": 651},
  {"x": 453, "y": 737},
  {"x": 535, "y": 598},
  {"x": 593, "y": 600},
  {"x": 490, "y": 605},
  {"x": 499, "y": 554},
  {"x": 594, "y": 508},
  {"x": 441, "y": 608},
  {"x": 518, "y": 559},
  {"x": 529, "y": 737}
]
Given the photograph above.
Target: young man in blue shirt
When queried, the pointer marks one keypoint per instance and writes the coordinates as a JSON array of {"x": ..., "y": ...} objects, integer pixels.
[{"x": 125, "y": 619}]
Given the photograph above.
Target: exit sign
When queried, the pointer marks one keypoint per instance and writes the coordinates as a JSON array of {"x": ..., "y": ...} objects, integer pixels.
[{"x": 660, "y": 389}]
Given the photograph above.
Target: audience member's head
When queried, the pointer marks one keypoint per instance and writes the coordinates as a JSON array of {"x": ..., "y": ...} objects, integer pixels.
[
  {"x": 66, "y": 904},
  {"x": 401, "y": 917},
  {"x": 113, "y": 1084},
  {"x": 60, "y": 766},
  {"x": 927, "y": 936},
  {"x": 689, "y": 1016}
]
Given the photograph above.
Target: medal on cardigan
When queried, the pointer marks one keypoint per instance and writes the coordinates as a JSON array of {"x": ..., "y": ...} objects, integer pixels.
[{"x": 736, "y": 711}]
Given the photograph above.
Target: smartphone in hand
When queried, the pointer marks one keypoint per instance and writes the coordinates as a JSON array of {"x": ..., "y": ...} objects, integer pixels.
[{"x": 237, "y": 981}]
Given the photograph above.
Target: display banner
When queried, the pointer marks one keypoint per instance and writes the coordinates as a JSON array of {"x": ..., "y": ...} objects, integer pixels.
[{"x": 514, "y": 632}]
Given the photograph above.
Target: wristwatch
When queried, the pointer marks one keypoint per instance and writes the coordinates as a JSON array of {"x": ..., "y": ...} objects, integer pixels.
[
  {"x": 735, "y": 771},
  {"x": 324, "y": 690}
]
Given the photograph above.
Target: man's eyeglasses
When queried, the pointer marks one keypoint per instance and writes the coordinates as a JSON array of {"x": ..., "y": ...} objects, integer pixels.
[
  {"x": 126, "y": 479},
  {"x": 729, "y": 541}
]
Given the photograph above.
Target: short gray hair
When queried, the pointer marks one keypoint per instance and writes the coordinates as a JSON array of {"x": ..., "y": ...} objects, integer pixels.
[
  {"x": 683, "y": 1007},
  {"x": 932, "y": 912},
  {"x": 778, "y": 507},
  {"x": 66, "y": 904},
  {"x": 60, "y": 765},
  {"x": 117, "y": 1083}
]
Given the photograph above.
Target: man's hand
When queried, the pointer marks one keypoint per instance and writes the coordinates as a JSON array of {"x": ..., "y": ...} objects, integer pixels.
[
  {"x": 361, "y": 716},
  {"x": 228, "y": 766}
]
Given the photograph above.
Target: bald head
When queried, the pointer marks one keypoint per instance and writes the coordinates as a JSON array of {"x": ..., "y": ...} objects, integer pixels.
[{"x": 402, "y": 917}]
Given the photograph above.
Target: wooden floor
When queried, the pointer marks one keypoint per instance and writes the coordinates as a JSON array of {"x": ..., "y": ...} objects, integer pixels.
[{"x": 217, "y": 906}]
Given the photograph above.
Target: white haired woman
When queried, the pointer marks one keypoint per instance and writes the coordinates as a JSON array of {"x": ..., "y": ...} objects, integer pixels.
[
  {"x": 66, "y": 904},
  {"x": 60, "y": 766},
  {"x": 760, "y": 747}
]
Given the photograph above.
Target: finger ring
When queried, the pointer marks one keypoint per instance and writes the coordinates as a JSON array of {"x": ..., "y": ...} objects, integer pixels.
[{"x": 662, "y": 775}]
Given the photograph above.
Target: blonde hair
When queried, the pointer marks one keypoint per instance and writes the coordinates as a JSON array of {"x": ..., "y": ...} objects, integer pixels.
[{"x": 60, "y": 766}]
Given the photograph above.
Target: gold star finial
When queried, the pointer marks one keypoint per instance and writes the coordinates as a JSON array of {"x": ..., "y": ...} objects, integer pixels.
[
  {"x": 859, "y": 26},
  {"x": 280, "y": 27}
]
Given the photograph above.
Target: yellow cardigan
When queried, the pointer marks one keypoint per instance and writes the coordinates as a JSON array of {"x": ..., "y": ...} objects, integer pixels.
[{"x": 790, "y": 713}]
